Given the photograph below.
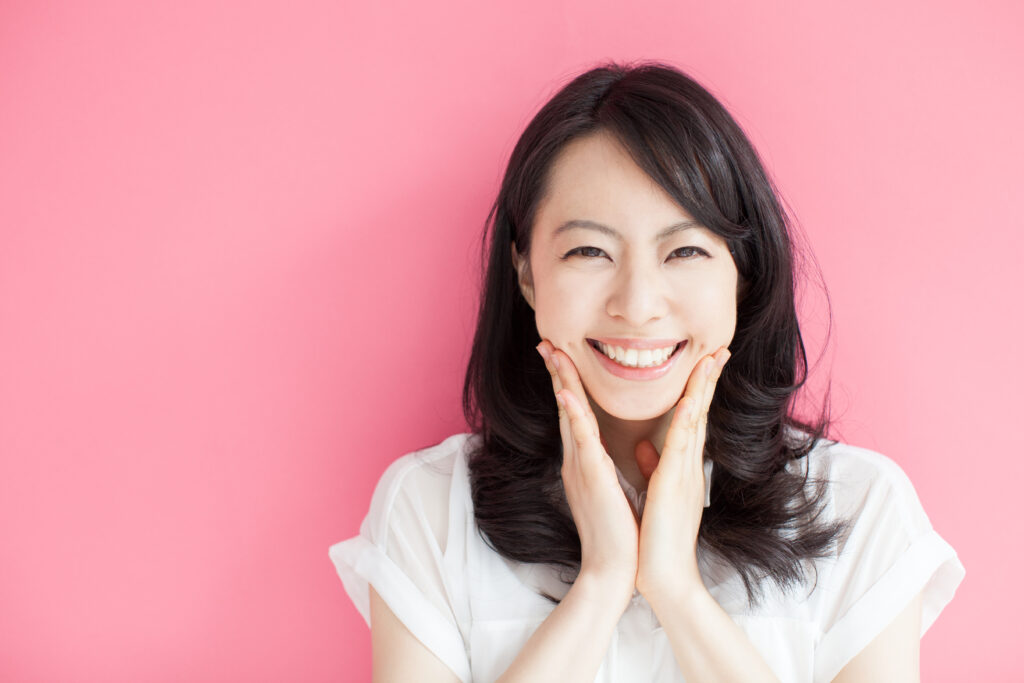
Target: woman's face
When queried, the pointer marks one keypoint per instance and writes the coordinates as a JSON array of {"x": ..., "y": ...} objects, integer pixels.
[{"x": 626, "y": 282}]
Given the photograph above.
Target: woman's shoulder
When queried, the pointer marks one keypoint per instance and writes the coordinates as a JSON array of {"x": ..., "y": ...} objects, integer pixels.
[
  {"x": 849, "y": 466},
  {"x": 888, "y": 553},
  {"x": 427, "y": 466},
  {"x": 426, "y": 484},
  {"x": 863, "y": 486}
]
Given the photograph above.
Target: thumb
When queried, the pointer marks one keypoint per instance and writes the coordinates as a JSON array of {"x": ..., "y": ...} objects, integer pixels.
[{"x": 646, "y": 458}]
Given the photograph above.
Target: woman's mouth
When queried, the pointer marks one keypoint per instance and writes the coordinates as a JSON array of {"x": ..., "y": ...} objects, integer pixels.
[
  {"x": 637, "y": 364},
  {"x": 635, "y": 358}
]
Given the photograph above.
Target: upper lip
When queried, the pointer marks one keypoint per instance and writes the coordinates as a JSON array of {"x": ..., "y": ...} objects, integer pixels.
[{"x": 636, "y": 343}]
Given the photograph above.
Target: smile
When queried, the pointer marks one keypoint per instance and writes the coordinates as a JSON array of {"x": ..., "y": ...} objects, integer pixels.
[
  {"x": 635, "y": 363},
  {"x": 634, "y": 357}
]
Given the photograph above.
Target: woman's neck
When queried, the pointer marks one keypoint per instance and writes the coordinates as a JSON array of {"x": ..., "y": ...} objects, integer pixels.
[{"x": 621, "y": 437}]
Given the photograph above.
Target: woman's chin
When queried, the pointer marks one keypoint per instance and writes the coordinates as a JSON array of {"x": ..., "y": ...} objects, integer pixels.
[{"x": 633, "y": 410}]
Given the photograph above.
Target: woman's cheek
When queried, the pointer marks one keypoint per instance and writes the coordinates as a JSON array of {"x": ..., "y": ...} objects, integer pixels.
[
  {"x": 717, "y": 311},
  {"x": 556, "y": 323}
]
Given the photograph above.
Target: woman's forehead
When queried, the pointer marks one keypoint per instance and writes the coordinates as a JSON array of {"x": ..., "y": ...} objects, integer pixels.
[
  {"x": 596, "y": 227},
  {"x": 595, "y": 181}
]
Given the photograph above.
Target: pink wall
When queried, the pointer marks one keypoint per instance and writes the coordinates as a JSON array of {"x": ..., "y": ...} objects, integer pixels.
[{"x": 237, "y": 247}]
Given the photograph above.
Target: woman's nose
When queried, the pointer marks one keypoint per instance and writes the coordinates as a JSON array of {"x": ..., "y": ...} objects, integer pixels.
[{"x": 639, "y": 296}]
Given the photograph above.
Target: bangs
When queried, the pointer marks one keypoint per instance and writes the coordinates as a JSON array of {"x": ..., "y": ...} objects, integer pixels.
[{"x": 685, "y": 156}]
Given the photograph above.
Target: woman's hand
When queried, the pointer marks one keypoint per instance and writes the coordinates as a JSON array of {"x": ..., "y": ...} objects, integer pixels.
[
  {"x": 667, "y": 565},
  {"x": 604, "y": 518}
]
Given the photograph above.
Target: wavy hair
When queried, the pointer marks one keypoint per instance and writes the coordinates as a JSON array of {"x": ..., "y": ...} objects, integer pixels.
[{"x": 763, "y": 518}]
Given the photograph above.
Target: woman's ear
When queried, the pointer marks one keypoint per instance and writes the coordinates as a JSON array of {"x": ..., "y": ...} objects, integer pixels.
[{"x": 523, "y": 277}]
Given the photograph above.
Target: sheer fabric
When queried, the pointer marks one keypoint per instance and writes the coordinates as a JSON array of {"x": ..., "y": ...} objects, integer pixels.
[{"x": 421, "y": 550}]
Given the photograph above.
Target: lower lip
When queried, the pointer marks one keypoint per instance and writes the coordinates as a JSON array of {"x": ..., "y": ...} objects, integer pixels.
[{"x": 638, "y": 373}]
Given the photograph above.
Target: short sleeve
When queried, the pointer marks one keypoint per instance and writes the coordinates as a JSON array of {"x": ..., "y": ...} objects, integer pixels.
[
  {"x": 400, "y": 550},
  {"x": 890, "y": 554}
]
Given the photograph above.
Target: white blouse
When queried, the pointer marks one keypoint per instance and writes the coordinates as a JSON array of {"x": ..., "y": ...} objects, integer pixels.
[{"x": 420, "y": 548}]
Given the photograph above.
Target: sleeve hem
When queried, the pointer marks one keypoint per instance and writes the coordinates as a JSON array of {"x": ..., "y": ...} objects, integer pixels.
[
  {"x": 360, "y": 563},
  {"x": 930, "y": 565}
]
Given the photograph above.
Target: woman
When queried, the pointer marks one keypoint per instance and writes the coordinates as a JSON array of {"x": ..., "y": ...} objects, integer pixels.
[{"x": 636, "y": 501}]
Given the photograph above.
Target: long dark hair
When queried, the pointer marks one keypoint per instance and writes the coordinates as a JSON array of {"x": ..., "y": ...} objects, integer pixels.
[{"x": 762, "y": 519}]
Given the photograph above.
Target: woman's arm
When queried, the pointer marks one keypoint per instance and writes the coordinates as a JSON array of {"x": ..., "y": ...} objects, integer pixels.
[
  {"x": 709, "y": 646},
  {"x": 397, "y": 655},
  {"x": 894, "y": 654},
  {"x": 568, "y": 646},
  {"x": 571, "y": 642},
  {"x": 707, "y": 643}
]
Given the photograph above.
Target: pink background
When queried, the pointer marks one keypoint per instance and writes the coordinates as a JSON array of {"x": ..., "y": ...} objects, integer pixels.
[{"x": 237, "y": 258}]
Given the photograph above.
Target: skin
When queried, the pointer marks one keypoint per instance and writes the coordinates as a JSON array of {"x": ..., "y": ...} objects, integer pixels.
[
  {"x": 675, "y": 498},
  {"x": 681, "y": 288},
  {"x": 654, "y": 431}
]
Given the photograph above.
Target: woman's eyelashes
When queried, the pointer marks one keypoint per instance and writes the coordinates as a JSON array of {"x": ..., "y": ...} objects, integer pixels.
[
  {"x": 585, "y": 252},
  {"x": 686, "y": 253}
]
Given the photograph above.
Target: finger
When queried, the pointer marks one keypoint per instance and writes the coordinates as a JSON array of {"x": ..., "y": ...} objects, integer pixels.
[
  {"x": 707, "y": 389},
  {"x": 705, "y": 370},
  {"x": 681, "y": 432},
  {"x": 696, "y": 384},
  {"x": 719, "y": 360},
  {"x": 700, "y": 394},
  {"x": 583, "y": 437},
  {"x": 570, "y": 379},
  {"x": 565, "y": 430},
  {"x": 688, "y": 408},
  {"x": 711, "y": 383},
  {"x": 544, "y": 349},
  {"x": 595, "y": 450},
  {"x": 564, "y": 427},
  {"x": 584, "y": 419},
  {"x": 646, "y": 458}
]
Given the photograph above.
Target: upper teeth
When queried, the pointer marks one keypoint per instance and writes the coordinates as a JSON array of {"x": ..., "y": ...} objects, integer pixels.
[{"x": 636, "y": 358}]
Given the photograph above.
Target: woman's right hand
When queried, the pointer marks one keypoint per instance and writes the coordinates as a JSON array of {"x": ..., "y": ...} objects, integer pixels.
[{"x": 606, "y": 522}]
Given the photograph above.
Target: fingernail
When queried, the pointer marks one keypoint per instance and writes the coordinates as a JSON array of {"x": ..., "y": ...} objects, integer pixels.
[
  {"x": 709, "y": 367},
  {"x": 554, "y": 360},
  {"x": 724, "y": 359}
]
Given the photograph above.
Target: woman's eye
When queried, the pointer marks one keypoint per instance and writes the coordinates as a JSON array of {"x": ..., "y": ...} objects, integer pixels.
[
  {"x": 687, "y": 252},
  {"x": 593, "y": 252},
  {"x": 586, "y": 252}
]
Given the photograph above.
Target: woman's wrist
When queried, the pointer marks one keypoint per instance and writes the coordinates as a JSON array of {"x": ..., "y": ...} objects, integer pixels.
[
  {"x": 605, "y": 588},
  {"x": 679, "y": 596},
  {"x": 582, "y": 624}
]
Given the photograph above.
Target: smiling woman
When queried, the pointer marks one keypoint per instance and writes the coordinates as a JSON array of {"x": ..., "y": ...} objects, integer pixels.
[
  {"x": 635, "y": 490},
  {"x": 617, "y": 275}
]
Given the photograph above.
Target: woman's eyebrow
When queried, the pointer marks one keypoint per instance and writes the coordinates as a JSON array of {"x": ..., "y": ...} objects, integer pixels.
[{"x": 600, "y": 227}]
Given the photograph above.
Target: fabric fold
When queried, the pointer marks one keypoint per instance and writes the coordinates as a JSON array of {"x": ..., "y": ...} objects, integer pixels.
[
  {"x": 360, "y": 563},
  {"x": 930, "y": 565}
]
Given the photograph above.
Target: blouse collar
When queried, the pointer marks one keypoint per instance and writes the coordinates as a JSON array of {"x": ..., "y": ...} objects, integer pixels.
[{"x": 638, "y": 500}]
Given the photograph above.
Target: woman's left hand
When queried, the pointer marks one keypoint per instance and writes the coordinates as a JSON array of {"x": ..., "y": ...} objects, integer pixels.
[{"x": 675, "y": 491}]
